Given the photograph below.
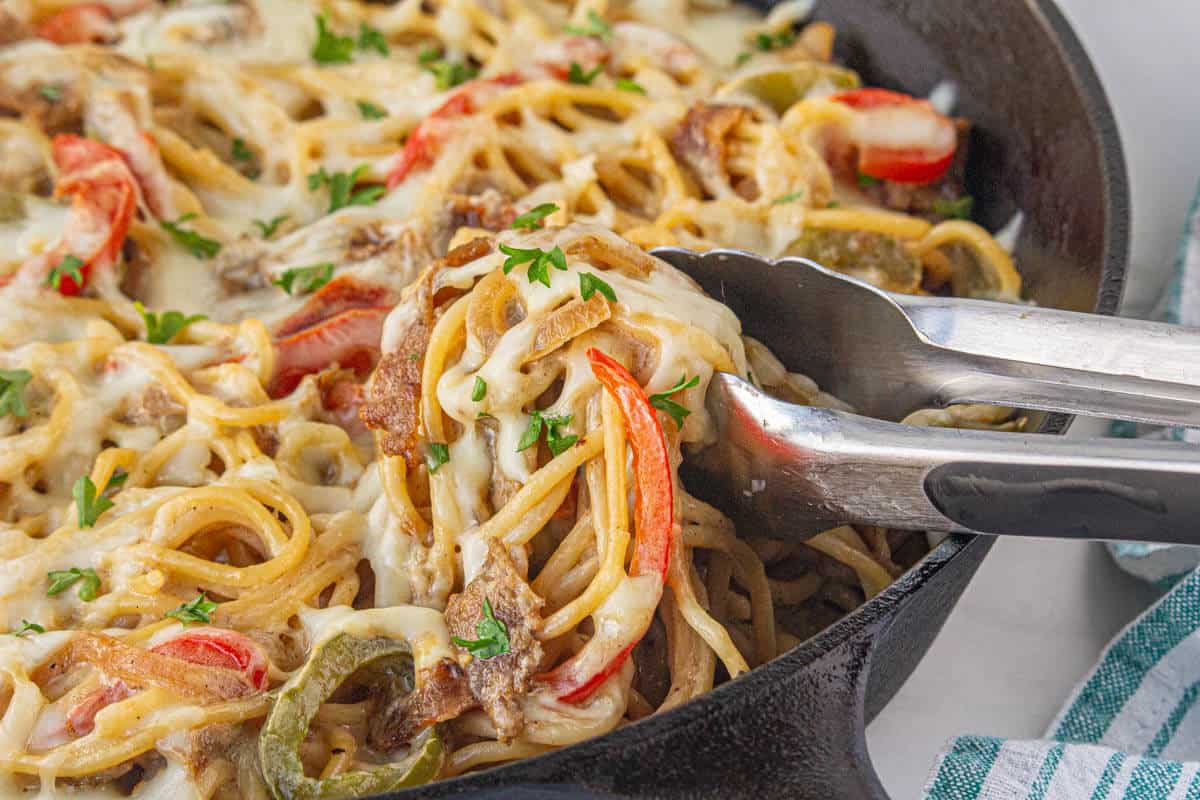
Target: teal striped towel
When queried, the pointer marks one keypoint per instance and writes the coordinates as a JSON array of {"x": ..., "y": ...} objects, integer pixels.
[{"x": 1131, "y": 730}]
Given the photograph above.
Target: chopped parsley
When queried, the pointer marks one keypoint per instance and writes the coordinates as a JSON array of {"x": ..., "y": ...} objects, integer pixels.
[
  {"x": 448, "y": 74},
  {"x": 767, "y": 41},
  {"x": 790, "y": 197},
  {"x": 372, "y": 39},
  {"x": 589, "y": 284},
  {"x": 28, "y": 627},
  {"x": 268, "y": 228},
  {"x": 437, "y": 455},
  {"x": 194, "y": 611},
  {"x": 954, "y": 209},
  {"x": 627, "y": 85},
  {"x": 161, "y": 329},
  {"x": 595, "y": 26},
  {"x": 370, "y": 111},
  {"x": 532, "y": 219},
  {"x": 556, "y": 440},
  {"x": 63, "y": 579},
  {"x": 576, "y": 74},
  {"x": 50, "y": 92},
  {"x": 341, "y": 188},
  {"x": 479, "y": 390},
  {"x": 865, "y": 180},
  {"x": 329, "y": 47},
  {"x": 70, "y": 267},
  {"x": 89, "y": 505},
  {"x": 492, "y": 633},
  {"x": 198, "y": 245},
  {"x": 539, "y": 261},
  {"x": 240, "y": 151},
  {"x": 742, "y": 58},
  {"x": 302, "y": 280},
  {"x": 12, "y": 392},
  {"x": 663, "y": 402}
]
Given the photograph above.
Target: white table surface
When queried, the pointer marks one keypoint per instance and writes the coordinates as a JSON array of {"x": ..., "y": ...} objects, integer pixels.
[{"x": 1039, "y": 611}]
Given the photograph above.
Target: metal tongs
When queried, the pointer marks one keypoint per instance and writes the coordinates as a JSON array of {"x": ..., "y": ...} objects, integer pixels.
[{"x": 795, "y": 470}]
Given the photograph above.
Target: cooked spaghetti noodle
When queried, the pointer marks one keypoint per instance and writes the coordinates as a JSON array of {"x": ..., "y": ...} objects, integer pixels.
[{"x": 343, "y": 405}]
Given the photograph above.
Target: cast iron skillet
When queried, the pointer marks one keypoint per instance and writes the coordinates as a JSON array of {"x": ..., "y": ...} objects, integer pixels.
[{"x": 1045, "y": 142}]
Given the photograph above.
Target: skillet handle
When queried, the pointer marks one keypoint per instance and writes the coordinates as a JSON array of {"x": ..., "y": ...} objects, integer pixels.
[{"x": 1064, "y": 361}]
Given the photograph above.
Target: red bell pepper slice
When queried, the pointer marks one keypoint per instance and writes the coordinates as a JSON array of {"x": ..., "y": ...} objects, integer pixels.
[
  {"x": 343, "y": 293},
  {"x": 209, "y": 647},
  {"x": 349, "y": 339},
  {"x": 104, "y": 193},
  {"x": 219, "y": 647},
  {"x": 899, "y": 137},
  {"x": 79, "y": 24},
  {"x": 654, "y": 516},
  {"x": 425, "y": 141}
]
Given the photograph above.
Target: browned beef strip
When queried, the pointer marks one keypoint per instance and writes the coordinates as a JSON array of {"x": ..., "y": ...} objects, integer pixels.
[
  {"x": 399, "y": 715},
  {"x": 500, "y": 682},
  {"x": 699, "y": 142}
]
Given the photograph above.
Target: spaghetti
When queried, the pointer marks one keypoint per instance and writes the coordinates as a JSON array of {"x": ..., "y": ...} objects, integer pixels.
[{"x": 344, "y": 406}]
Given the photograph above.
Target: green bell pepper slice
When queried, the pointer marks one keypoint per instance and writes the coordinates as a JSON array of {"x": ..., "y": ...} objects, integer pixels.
[{"x": 287, "y": 725}]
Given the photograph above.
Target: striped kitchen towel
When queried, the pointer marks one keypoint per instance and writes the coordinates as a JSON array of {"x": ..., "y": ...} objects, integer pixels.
[{"x": 1131, "y": 730}]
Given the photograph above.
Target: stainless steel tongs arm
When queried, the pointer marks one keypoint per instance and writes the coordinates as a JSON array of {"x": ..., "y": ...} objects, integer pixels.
[
  {"x": 795, "y": 470},
  {"x": 1055, "y": 360}
]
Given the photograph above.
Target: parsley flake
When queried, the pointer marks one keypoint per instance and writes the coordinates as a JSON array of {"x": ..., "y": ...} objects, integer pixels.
[
  {"x": 63, "y": 579},
  {"x": 539, "y": 262},
  {"x": 767, "y": 42},
  {"x": 589, "y": 284},
  {"x": 302, "y": 280},
  {"x": 865, "y": 180},
  {"x": 88, "y": 504},
  {"x": 576, "y": 74},
  {"x": 341, "y": 188},
  {"x": 50, "y": 92},
  {"x": 742, "y": 58},
  {"x": 448, "y": 74},
  {"x": 532, "y": 219},
  {"x": 369, "y": 110},
  {"x": 954, "y": 209},
  {"x": 556, "y": 440},
  {"x": 161, "y": 329},
  {"x": 268, "y": 228},
  {"x": 194, "y": 611},
  {"x": 479, "y": 390},
  {"x": 437, "y": 455},
  {"x": 790, "y": 197},
  {"x": 492, "y": 633},
  {"x": 70, "y": 267},
  {"x": 662, "y": 400},
  {"x": 596, "y": 26},
  {"x": 329, "y": 47},
  {"x": 240, "y": 151},
  {"x": 12, "y": 392},
  {"x": 198, "y": 245},
  {"x": 627, "y": 85},
  {"x": 372, "y": 39},
  {"x": 28, "y": 627}
]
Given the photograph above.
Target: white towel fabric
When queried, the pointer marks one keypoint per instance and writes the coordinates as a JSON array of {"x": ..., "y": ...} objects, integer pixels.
[{"x": 1132, "y": 728}]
